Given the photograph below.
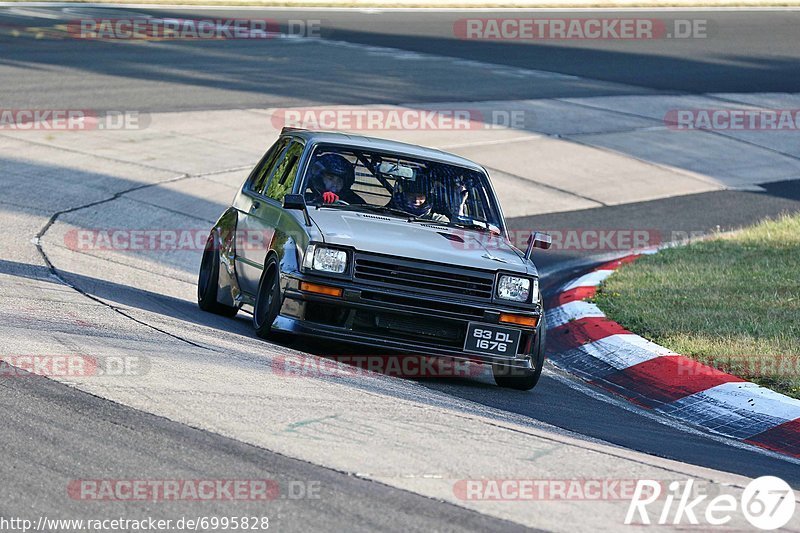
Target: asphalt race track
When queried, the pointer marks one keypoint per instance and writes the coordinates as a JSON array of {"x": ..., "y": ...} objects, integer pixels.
[
  {"x": 383, "y": 452},
  {"x": 744, "y": 52}
]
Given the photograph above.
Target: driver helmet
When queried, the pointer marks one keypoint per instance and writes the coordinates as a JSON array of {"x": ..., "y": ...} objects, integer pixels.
[
  {"x": 332, "y": 172},
  {"x": 413, "y": 196}
]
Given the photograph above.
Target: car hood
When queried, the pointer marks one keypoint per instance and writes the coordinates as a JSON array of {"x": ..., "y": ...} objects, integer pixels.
[{"x": 394, "y": 236}]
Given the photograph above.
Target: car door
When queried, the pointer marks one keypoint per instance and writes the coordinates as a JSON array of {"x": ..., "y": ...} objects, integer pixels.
[
  {"x": 248, "y": 270},
  {"x": 257, "y": 225}
]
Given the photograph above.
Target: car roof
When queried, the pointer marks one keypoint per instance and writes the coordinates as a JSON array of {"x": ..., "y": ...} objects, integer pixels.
[{"x": 381, "y": 145}]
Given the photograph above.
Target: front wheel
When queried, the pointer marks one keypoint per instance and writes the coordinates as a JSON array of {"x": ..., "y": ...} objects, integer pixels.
[
  {"x": 517, "y": 378},
  {"x": 268, "y": 303},
  {"x": 208, "y": 282}
]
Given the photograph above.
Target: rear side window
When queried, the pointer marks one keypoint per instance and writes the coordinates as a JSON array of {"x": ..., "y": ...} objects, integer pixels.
[
  {"x": 285, "y": 173},
  {"x": 262, "y": 173}
]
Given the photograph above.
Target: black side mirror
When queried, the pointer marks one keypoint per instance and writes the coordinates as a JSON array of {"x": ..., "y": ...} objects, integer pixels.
[
  {"x": 538, "y": 240},
  {"x": 294, "y": 201},
  {"x": 297, "y": 201}
]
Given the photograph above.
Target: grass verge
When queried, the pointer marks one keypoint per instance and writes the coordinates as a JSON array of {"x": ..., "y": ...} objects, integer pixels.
[{"x": 732, "y": 302}]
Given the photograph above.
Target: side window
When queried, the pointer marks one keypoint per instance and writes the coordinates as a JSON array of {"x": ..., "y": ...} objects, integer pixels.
[
  {"x": 285, "y": 173},
  {"x": 260, "y": 176}
]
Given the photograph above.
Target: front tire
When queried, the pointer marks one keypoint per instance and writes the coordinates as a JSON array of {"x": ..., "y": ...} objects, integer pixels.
[
  {"x": 510, "y": 377},
  {"x": 268, "y": 303},
  {"x": 208, "y": 282}
]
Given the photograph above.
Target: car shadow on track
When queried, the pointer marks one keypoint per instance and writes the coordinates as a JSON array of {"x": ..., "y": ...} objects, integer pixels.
[
  {"x": 415, "y": 367},
  {"x": 363, "y": 358},
  {"x": 122, "y": 296}
]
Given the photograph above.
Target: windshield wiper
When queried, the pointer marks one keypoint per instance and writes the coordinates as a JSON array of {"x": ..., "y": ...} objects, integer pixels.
[
  {"x": 385, "y": 209},
  {"x": 476, "y": 224},
  {"x": 373, "y": 209},
  {"x": 335, "y": 206},
  {"x": 482, "y": 226}
]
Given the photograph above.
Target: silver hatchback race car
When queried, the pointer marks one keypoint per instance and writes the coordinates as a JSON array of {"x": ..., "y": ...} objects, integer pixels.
[{"x": 378, "y": 243}]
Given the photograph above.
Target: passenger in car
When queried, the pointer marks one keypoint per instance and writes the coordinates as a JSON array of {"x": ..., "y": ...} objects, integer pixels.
[{"x": 415, "y": 197}]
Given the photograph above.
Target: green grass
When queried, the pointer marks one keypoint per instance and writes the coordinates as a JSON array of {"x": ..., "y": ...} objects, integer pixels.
[{"x": 732, "y": 301}]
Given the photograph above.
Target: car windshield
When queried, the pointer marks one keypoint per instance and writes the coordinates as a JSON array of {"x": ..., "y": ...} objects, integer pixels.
[{"x": 420, "y": 190}]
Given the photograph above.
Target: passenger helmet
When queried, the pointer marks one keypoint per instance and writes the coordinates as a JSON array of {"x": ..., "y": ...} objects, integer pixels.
[{"x": 413, "y": 196}]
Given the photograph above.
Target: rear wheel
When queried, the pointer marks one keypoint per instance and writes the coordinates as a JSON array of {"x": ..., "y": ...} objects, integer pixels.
[
  {"x": 208, "y": 282},
  {"x": 517, "y": 378},
  {"x": 268, "y": 303}
]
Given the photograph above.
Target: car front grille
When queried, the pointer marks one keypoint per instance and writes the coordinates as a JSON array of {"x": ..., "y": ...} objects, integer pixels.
[{"x": 423, "y": 277}]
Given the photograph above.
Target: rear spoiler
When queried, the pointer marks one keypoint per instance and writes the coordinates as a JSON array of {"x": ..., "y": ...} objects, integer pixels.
[{"x": 287, "y": 129}]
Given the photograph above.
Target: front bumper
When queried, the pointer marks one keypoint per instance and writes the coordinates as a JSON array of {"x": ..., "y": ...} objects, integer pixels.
[{"x": 396, "y": 320}]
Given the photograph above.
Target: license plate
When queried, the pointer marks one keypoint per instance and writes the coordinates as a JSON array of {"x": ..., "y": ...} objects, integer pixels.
[{"x": 491, "y": 340}]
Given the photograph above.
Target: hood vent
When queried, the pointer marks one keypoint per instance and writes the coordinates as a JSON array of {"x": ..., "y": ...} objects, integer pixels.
[
  {"x": 432, "y": 226},
  {"x": 375, "y": 216}
]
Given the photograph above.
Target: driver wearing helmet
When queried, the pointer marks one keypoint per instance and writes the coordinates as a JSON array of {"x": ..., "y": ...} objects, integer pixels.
[
  {"x": 414, "y": 197},
  {"x": 331, "y": 178}
]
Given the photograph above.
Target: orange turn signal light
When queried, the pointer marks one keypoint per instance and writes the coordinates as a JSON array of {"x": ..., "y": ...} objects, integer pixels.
[
  {"x": 320, "y": 289},
  {"x": 520, "y": 320}
]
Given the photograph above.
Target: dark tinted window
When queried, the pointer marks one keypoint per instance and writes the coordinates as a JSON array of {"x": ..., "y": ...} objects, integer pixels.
[
  {"x": 259, "y": 179},
  {"x": 285, "y": 173}
]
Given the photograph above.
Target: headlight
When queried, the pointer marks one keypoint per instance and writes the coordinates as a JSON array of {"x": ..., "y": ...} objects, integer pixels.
[
  {"x": 325, "y": 259},
  {"x": 514, "y": 288}
]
